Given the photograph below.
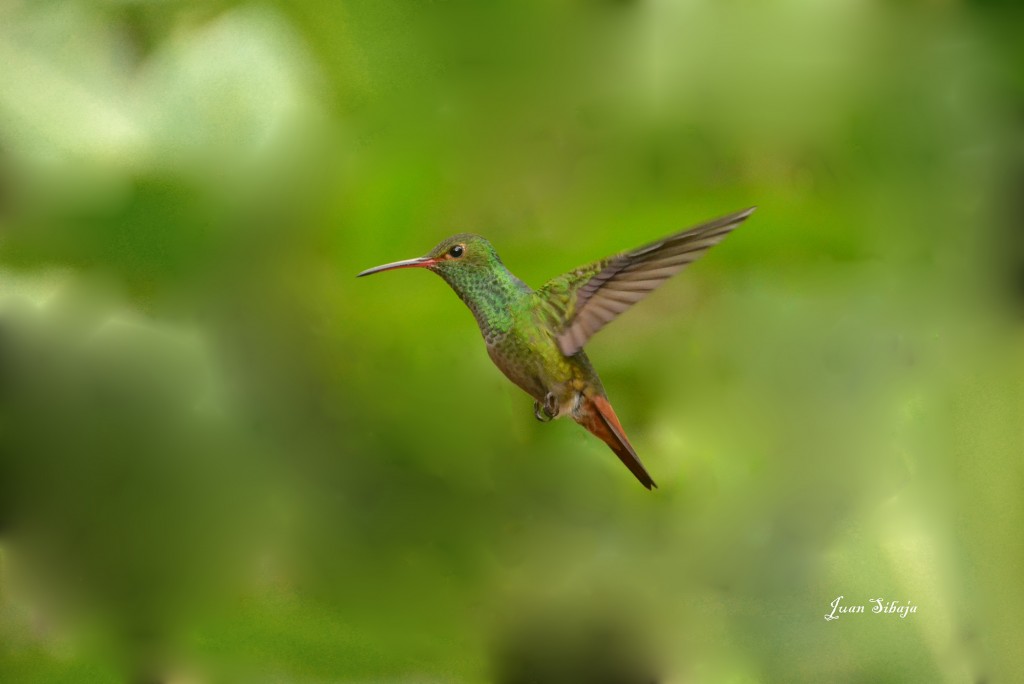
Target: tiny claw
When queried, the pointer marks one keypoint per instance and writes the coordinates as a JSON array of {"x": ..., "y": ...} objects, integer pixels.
[
  {"x": 551, "y": 404},
  {"x": 548, "y": 410}
]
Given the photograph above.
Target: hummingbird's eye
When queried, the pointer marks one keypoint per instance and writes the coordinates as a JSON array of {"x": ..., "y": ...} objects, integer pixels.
[{"x": 456, "y": 251}]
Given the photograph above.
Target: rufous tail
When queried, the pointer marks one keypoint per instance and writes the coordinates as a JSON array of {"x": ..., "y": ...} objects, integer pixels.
[{"x": 598, "y": 417}]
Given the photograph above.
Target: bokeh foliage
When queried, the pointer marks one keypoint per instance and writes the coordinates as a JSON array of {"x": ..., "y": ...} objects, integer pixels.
[{"x": 223, "y": 458}]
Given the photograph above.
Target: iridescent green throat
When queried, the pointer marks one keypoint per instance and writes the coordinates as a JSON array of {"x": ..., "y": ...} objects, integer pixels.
[{"x": 492, "y": 293}]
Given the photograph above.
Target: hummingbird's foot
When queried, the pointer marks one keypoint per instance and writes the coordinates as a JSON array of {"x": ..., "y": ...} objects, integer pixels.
[{"x": 548, "y": 410}]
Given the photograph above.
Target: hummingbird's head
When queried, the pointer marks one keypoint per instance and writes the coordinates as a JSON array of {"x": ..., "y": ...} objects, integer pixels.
[{"x": 455, "y": 259}]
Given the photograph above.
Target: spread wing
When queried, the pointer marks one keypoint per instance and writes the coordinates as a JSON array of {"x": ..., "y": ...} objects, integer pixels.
[{"x": 585, "y": 300}]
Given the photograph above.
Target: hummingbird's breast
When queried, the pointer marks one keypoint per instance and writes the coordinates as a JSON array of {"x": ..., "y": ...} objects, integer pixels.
[
  {"x": 517, "y": 328},
  {"x": 528, "y": 354}
]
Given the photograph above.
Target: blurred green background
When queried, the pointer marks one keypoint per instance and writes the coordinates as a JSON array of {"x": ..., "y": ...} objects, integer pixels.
[{"x": 223, "y": 458}]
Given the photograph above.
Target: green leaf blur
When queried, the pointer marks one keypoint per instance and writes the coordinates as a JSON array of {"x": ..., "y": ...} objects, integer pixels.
[{"x": 223, "y": 458}]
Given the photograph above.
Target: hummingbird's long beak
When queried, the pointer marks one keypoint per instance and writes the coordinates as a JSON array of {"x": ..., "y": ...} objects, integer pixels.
[{"x": 418, "y": 262}]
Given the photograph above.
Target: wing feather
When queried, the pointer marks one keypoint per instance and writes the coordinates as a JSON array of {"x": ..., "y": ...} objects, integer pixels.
[{"x": 585, "y": 300}]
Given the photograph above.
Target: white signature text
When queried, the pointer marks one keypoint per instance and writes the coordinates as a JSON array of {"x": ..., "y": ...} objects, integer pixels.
[{"x": 875, "y": 605}]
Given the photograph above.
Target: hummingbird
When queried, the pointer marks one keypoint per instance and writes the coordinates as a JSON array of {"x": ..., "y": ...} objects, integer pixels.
[{"x": 536, "y": 337}]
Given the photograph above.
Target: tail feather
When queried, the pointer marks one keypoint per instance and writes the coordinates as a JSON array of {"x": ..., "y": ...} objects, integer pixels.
[{"x": 599, "y": 418}]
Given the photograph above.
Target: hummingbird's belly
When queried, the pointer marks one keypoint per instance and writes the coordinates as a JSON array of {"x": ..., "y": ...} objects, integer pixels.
[
  {"x": 521, "y": 368},
  {"x": 537, "y": 366}
]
